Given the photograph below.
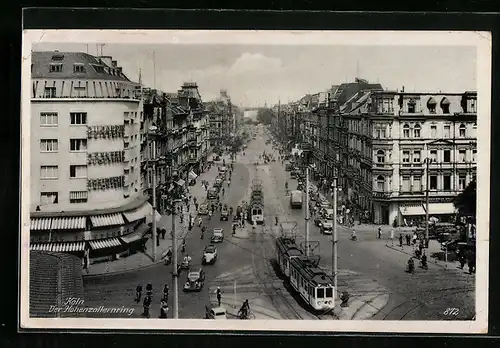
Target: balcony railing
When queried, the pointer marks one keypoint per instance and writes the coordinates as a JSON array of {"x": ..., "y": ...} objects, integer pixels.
[{"x": 54, "y": 96}]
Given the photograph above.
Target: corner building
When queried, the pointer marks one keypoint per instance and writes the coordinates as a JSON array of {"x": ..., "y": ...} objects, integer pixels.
[
  {"x": 408, "y": 129},
  {"x": 86, "y": 195}
]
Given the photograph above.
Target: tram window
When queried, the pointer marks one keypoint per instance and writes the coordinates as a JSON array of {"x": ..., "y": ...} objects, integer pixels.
[
  {"x": 329, "y": 292},
  {"x": 320, "y": 293}
]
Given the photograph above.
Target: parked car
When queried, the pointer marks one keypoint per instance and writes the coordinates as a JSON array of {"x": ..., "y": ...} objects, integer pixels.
[
  {"x": 217, "y": 235},
  {"x": 209, "y": 254}
]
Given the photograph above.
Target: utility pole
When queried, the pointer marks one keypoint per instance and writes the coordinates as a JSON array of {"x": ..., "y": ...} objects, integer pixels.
[
  {"x": 307, "y": 210},
  {"x": 334, "y": 239},
  {"x": 427, "y": 199},
  {"x": 175, "y": 275},
  {"x": 154, "y": 201}
]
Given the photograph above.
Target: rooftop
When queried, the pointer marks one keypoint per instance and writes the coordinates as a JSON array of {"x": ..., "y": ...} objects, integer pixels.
[{"x": 74, "y": 65}]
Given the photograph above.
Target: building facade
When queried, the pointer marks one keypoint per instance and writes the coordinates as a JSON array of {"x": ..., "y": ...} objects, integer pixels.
[
  {"x": 421, "y": 142},
  {"x": 85, "y": 184},
  {"x": 222, "y": 120}
]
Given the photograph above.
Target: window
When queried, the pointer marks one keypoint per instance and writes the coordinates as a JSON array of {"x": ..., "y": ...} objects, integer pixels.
[
  {"x": 445, "y": 105},
  {"x": 417, "y": 183},
  {"x": 48, "y": 172},
  {"x": 49, "y": 119},
  {"x": 319, "y": 291},
  {"x": 78, "y": 68},
  {"x": 48, "y": 198},
  {"x": 49, "y": 145},
  {"x": 447, "y": 182},
  {"x": 446, "y": 132},
  {"x": 416, "y": 156},
  {"x": 78, "y": 118},
  {"x": 433, "y": 156},
  {"x": 78, "y": 144},
  {"x": 77, "y": 171},
  {"x": 462, "y": 130},
  {"x": 406, "y": 156},
  {"x": 49, "y": 92},
  {"x": 416, "y": 131},
  {"x": 411, "y": 106},
  {"x": 433, "y": 131},
  {"x": 406, "y": 131},
  {"x": 78, "y": 196},
  {"x": 462, "y": 155},
  {"x": 329, "y": 292},
  {"x": 473, "y": 106},
  {"x": 474, "y": 126},
  {"x": 433, "y": 182},
  {"x": 446, "y": 156},
  {"x": 461, "y": 182},
  {"x": 55, "y": 68},
  {"x": 405, "y": 184},
  {"x": 474, "y": 153},
  {"x": 380, "y": 183}
]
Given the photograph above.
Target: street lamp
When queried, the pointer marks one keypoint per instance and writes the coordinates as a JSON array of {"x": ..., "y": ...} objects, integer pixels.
[{"x": 152, "y": 132}]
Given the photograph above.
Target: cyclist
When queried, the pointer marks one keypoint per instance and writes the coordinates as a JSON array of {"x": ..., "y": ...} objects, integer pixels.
[{"x": 244, "y": 310}]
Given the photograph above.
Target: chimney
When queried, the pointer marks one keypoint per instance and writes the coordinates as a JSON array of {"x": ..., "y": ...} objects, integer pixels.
[{"x": 403, "y": 89}]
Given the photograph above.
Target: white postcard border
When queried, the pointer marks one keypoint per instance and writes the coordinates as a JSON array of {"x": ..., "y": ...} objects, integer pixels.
[{"x": 481, "y": 40}]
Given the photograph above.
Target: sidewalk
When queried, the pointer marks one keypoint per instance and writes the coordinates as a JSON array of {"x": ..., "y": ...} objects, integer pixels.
[{"x": 141, "y": 260}]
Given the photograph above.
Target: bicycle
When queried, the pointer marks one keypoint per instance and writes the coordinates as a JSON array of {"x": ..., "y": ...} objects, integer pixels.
[{"x": 249, "y": 316}]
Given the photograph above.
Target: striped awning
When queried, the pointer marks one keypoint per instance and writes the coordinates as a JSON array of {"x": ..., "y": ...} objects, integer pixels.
[
  {"x": 139, "y": 213},
  {"x": 41, "y": 224},
  {"x": 41, "y": 246},
  {"x": 68, "y": 246},
  {"x": 107, "y": 220},
  {"x": 69, "y": 223},
  {"x": 104, "y": 243},
  {"x": 134, "y": 236}
]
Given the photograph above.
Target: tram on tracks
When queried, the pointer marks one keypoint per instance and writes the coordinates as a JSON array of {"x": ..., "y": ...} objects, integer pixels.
[{"x": 304, "y": 274}]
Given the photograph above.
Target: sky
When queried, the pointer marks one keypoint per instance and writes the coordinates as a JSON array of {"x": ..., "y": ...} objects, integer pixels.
[{"x": 255, "y": 75}]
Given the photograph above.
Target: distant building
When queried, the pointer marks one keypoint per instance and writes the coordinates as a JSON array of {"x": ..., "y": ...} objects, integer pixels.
[{"x": 85, "y": 181}]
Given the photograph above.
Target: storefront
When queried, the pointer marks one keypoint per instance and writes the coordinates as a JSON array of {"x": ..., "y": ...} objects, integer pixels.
[{"x": 413, "y": 215}]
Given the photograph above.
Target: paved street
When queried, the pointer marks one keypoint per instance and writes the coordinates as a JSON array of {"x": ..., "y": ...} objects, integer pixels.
[{"x": 371, "y": 272}]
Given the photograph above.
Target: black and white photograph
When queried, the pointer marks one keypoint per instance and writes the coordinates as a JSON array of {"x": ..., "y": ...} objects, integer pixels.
[{"x": 255, "y": 180}]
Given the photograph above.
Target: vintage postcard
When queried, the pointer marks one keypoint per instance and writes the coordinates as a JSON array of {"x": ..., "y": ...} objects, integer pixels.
[{"x": 255, "y": 180}]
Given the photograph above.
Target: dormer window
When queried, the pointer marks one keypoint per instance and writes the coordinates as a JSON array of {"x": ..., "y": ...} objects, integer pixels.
[
  {"x": 55, "y": 67},
  {"x": 445, "y": 105},
  {"x": 431, "y": 105},
  {"x": 411, "y": 106},
  {"x": 78, "y": 68}
]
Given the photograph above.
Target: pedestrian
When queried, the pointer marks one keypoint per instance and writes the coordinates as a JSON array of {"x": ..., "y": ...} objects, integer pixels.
[
  {"x": 157, "y": 239},
  {"x": 163, "y": 233},
  {"x": 219, "y": 295},
  {"x": 408, "y": 239},
  {"x": 392, "y": 237},
  {"x": 165, "y": 293},
  {"x": 163, "y": 309},
  {"x": 414, "y": 238},
  {"x": 149, "y": 289},
  {"x": 146, "y": 304},
  {"x": 401, "y": 240},
  {"x": 379, "y": 233}
]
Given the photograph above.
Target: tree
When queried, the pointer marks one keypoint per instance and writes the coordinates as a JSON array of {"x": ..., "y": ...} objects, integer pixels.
[
  {"x": 237, "y": 144},
  {"x": 264, "y": 116},
  {"x": 465, "y": 202}
]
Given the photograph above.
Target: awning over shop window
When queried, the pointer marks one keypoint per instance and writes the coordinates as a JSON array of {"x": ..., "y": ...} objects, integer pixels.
[
  {"x": 412, "y": 210},
  {"x": 41, "y": 246},
  {"x": 68, "y": 223},
  {"x": 139, "y": 213},
  {"x": 41, "y": 224},
  {"x": 441, "y": 208},
  {"x": 68, "y": 246},
  {"x": 104, "y": 243},
  {"x": 192, "y": 175},
  {"x": 107, "y": 220},
  {"x": 136, "y": 235},
  {"x": 149, "y": 217}
]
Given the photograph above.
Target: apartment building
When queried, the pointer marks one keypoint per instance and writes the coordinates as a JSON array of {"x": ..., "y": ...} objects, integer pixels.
[
  {"x": 421, "y": 142},
  {"x": 221, "y": 120},
  {"x": 85, "y": 182}
]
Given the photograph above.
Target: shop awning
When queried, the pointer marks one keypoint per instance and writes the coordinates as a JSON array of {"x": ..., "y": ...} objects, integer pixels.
[
  {"x": 107, "y": 220},
  {"x": 412, "y": 210},
  {"x": 135, "y": 236},
  {"x": 138, "y": 213},
  {"x": 68, "y": 246},
  {"x": 41, "y": 246},
  {"x": 104, "y": 243},
  {"x": 149, "y": 217},
  {"x": 192, "y": 175},
  {"x": 441, "y": 208},
  {"x": 68, "y": 223},
  {"x": 41, "y": 224}
]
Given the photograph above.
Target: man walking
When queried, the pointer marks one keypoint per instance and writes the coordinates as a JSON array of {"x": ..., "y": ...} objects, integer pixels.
[
  {"x": 392, "y": 236},
  {"x": 219, "y": 295},
  {"x": 379, "y": 233}
]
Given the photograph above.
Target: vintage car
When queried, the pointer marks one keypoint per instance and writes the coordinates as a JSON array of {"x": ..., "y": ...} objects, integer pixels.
[
  {"x": 326, "y": 227},
  {"x": 195, "y": 281},
  {"x": 319, "y": 222},
  {"x": 209, "y": 255},
  {"x": 213, "y": 193},
  {"x": 217, "y": 235},
  {"x": 203, "y": 209},
  {"x": 214, "y": 312},
  {"x": 218, "y": 182},
  {"x": 300, "y": 186},
  {"x": 224, "y": 214}
]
